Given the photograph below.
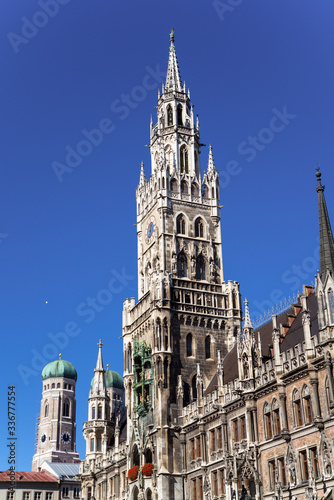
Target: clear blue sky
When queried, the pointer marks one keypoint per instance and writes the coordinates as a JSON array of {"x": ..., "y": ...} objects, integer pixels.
[{"x": 62, "y": 242}]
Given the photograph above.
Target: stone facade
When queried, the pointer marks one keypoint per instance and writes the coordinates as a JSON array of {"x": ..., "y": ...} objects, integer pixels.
[{"x": 220, "y": 410}]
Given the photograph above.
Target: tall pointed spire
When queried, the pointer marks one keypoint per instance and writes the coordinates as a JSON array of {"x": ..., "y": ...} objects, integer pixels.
[
  {"x": 247, "y": 320},
  {"x": 325, "y": 232},
  {"x": 173, "y": 79},
  {"x": 211, "y": 163},
  {"x": 99, "y": 386}
]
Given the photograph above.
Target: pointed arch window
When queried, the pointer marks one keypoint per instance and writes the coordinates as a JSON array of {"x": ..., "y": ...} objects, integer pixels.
[
  {"x": 92, "y": 444},
  {"x": 200, "y": 268},
  {"x": 182, "y": 271},
  {"x": 173, "y": 185},
  {"x": 179, "y": 114},
  {"x": 135, "y": 456},
  {"x": 307, "y": 403},
  {"x": 149, "y": 495},
  {"x": 184, "y": 187},
  {"x": 184, "y": 166},
  {"x": 189, "y": 344},
  {"x": 99, "y": 412},
  {"x": 205, "y": 191},
  {"x": 199, "y": 228},
  {"x": 169, "y": 115},
  {"x": 297, "y": 409},
  {"x": 93, "y": 413},
  {"x": 194, "y": 189},
  {"x": 207, "y": 347},
  {"x": 181, "y": 224},
  {"x": 46, "y": 409},
  {"x": 331, "y": 304},
  {"x": 267, "y": 421},
  {"x": 66, "y": 408}
]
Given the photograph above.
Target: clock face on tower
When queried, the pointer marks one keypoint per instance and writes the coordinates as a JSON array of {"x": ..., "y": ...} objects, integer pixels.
[
  {"x": 150, "y": 230},
  {"x": 66, "y": 437}
]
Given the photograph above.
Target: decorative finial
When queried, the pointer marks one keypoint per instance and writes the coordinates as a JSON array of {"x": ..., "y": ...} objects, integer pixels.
[
  {"x": 319, "y": 187},
  {"x": 107, "y": 367},
  {"x": 60, "y": 355},
  {"x": 171, "y": 35},
  {"x": 100, "y": 344}
]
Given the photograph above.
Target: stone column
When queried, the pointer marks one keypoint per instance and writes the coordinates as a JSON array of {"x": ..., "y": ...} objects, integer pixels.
[
  {"x": 315, "y": 385},
  {"x": 282, "y": 398},
  {"x": 256, "y": 431}
]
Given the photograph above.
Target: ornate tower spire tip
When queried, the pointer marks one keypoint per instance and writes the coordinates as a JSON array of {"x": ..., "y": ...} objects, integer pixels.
[
  {"x": 248, "y": 323},
  {"x": 171, "y": 35}
]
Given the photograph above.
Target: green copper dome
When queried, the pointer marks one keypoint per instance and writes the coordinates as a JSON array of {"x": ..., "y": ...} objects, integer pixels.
[
  {"x": 59, "y": 368},
  {"x": 112, "y": 379}
]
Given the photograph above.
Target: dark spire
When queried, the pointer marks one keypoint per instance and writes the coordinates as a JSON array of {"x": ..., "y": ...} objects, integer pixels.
[{"x": 325, "y": 232}]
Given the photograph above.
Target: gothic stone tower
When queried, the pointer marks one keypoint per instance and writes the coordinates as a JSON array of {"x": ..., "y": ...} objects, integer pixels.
[
  {"x": 187, "y": 316},
  {"x": 57, "y": 427}
]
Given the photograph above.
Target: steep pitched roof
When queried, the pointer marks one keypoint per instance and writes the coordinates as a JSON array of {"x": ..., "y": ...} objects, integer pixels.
[{"x": 28, "y": 477}]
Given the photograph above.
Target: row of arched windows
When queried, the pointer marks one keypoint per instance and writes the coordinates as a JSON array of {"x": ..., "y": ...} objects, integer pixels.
[
  {"x": 328, "y": 306},
  {"x": 53, "y": 386},
  {"x": 190, "y": 346},
  {"x": 302, "y": 412},
  {"x": 66, "y": 408},
  {"x": 182, "y": 266},
  {"x": 170, "y": 119},
  {"x": 181, "y": 226}
]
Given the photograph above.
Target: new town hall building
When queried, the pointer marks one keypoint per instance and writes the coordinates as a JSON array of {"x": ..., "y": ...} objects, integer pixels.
[{"x": 221, "y": 410}]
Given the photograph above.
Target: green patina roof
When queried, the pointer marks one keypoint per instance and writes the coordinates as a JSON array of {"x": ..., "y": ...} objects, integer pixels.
[
  {"x": 59, "y": 368},
  {"x": 112, "y": 379}
]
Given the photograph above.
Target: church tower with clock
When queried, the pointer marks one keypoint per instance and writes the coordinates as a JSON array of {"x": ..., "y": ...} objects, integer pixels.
[
  {"x": 187, "y": 317},
  {"x": 56, "y": 441}
]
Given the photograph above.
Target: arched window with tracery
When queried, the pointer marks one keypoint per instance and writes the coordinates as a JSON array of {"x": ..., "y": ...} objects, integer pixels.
[
  {"x": 267, "y": 421},
  {"x": 331, "y": 305},
  {"x": 148, "y": 456},
  {"x": 99, "y": 412},
  {"x": 189, "y": 344},
  {"x": 199, "y": 228},
  {"x": 194, "y": 189},
  {"x": 182, "y": 268},
  {"x": 135, "y": 456},
  {"x": 307, "y": 404},
  {"x": 184, "y": 166},
  {"x": 181, "y": 224},
  {"x": 297, "y": 409},
  {"x": 66, "y": 408},
  {"x": 173, "y": 185},
  {"x": 149, "y": 495},
  {"x": 184, "y": 187},
  {"x": 179, "y": 114},
  {"x": 276, "y": 418},
  {"x": 200, "y": 268},
  {"x": 169, "y": 115},
  {"x": 207, "y": 347}
]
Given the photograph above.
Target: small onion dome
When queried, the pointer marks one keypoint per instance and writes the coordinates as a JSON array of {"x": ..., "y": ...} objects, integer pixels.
[
  {"x": 59, "y": 368},
  {"x": 112, "y": 380}
]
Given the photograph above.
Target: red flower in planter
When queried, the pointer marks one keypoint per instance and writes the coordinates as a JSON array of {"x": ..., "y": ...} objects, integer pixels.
[
  {"x": 147, "y": 469},
  {"x": 133, "y": 472}
]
